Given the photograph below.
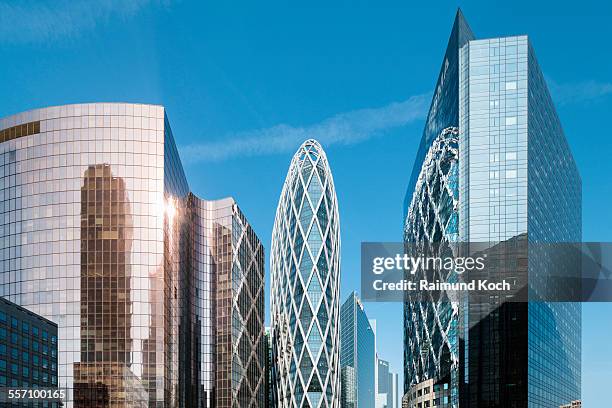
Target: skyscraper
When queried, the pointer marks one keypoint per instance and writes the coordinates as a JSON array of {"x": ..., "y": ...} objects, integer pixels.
[
  {"x": 493, "y": 165},
  {"x": 386, "y": 386},
  {"x": 228, "y": 260},
  {"x": 268, "y": 371},
  {"x": 348, "y": 387},
  {"x": 431, "y": 345},
  {"x": 357, "y": 350},
  {"x": 157, "y": 294},
  {"x": 92, "y": 193},
  {"x": 305, "y": 276},
  {"x": 396, "y": 392}
]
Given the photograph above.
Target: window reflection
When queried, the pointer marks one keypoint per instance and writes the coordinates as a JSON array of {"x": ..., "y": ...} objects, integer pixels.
[{"x": 104, "y": 372}]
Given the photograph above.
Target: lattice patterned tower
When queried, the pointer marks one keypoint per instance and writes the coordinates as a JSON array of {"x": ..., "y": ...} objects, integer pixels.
[
  {"x": 228, "y": 260},
  {"x": 305, "y": 274}
]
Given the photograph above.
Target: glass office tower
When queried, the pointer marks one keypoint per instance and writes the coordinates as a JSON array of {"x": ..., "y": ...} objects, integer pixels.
[
  {"x": 431, "y": 337},
  {"x": 229, "y": 267},
  {"x": 305, "y": 276},
  {"x": 100, "y": 235},
  {"x": 88, "y": 245},
  {"x": 516, "y": 177},
  {"x": 269, "y": 403},
  {"x": 357, "y": 350},
  {"x": 386, "y": 385},
  {"x": 348, "y": 387}
]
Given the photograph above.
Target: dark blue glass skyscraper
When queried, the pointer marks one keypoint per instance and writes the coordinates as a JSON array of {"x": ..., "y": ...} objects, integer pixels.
[
  {"x": 431, "y": 337},
  {"x": 493, "y": 165},
  {"x": 357, "y": 355}
]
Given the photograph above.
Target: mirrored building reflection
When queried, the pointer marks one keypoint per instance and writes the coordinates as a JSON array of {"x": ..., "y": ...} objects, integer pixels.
[
  {"x": 510, "y": 174},
  {"x": 106, "y": 243},
  {"x": 97, "y": 233},
  {"x": 228, "y": 261}
]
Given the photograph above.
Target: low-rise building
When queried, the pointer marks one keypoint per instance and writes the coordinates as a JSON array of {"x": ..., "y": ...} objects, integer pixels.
[{"x": 28, "y": 348}]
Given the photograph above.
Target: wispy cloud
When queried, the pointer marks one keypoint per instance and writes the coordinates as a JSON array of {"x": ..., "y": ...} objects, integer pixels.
[
  {"x": 35, "y": 21},
  {"x": 578, "y": 92},
  {"x": 344, "y": 128}
]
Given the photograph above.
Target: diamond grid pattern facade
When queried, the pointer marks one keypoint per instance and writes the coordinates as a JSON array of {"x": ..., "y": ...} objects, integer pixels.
[
  {"x": 247, "y": 312},
  {"x": 305, "y": 272},
  {"x": 433, "y": 214},
  {"x": 430, "y": 330},
  {"x": 229, "y": 264}
]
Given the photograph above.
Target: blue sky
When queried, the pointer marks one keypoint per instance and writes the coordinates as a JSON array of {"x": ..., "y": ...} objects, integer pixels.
[{"x": 243, "y": 83}]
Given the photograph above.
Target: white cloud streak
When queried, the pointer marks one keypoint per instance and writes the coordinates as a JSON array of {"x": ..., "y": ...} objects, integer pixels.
[
  {"x": 344, "y": 128},
  {"x": 578, "y": 92},
  {"x": 33, "y": 22}
]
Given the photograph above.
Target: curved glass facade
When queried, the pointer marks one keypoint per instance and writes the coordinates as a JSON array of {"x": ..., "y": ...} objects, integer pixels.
[
  {"x": 158, "y": 295},
  {"x": 82, "y": 231},
  {"x": 431, "y": 348},
  {"x": 431, "y": 341},
  {"x": 305, "y": 274}
]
